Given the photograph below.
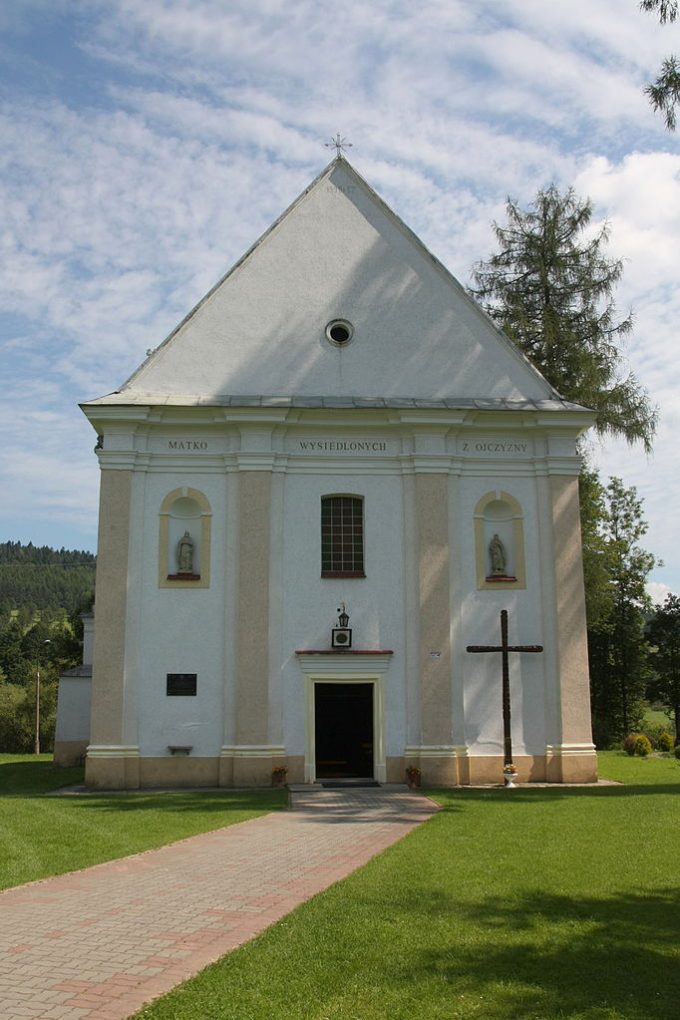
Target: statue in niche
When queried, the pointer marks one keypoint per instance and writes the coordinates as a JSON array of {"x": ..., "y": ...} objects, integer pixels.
[
  {"x": 185, "y": 554},
  {"x": 499, "y": 560}
]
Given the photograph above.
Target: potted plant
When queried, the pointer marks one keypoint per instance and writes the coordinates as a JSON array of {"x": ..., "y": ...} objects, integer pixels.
[
  {"x": 509, "y": 775},
  {"x": 279, "y": 775},
  {"x": 412, "y": 777}
]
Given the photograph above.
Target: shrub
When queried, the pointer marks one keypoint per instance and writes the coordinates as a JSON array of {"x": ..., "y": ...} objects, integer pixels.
[
  {"x": 677, "y": 752},
  {"x": 652, "y": 730},
  {"x": 637, "y": 744},
  {"x": 665, "y": 741}
]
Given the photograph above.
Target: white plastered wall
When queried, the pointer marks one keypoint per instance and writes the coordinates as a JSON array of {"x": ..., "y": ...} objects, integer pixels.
[
  {"x": 310, "y": 603},
  {"x": 193, "y": 631},
  {"x": 178, "y": 630},
  {"x": 73, "y": 709},
  {"x": 480, "y": 625},
  {"x": 339, "y": 254}
]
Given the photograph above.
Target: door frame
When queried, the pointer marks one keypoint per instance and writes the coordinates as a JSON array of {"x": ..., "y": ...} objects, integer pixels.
[
  {"x": 345, "y": 667},
  {"x": 376, "y": 698},
  {"x": 376, "y": 682}
]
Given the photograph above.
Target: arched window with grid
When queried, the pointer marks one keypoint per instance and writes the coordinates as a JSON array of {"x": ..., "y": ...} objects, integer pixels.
[{"x": 342, "y": 536}]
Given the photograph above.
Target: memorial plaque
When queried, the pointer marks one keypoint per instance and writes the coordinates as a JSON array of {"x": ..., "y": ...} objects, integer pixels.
[{"x": 181, "y": 685}]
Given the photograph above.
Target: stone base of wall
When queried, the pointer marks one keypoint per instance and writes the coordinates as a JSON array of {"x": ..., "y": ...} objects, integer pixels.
[
  {"x": 132, "y": 773},
  {"x": 182, "y": 771},
  {"x": 462, "y": 769},
  {"x": 395, "y": 769},
  {"x": 576, "y": 768},
  {"x": 110, "y": 773},
  {"x": 70, "y": 752},
  {"x": 178, "y": 771},
  {"x": 566, "y": 765},
  {"x": 296, "y": 768},
  {"x": 255, "y": 771}
]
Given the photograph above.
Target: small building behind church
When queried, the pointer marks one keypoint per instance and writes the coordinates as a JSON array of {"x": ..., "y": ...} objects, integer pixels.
[{"x": 315, "y": 494}]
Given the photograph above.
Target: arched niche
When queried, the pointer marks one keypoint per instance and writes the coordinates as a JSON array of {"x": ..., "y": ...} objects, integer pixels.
[
  {"x": 498, "y": 517},
  {"x": 184, "y": 510}
]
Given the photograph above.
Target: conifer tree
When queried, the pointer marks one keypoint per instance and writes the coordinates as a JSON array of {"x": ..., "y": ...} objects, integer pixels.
[
  {"x": 597, "y": 560},
  {"x": 550, "y": 288},
  {"x": 664, "y": 93}
]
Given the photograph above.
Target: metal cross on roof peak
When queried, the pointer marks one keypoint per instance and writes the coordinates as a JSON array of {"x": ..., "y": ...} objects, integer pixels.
[{"x": 338, "y": 143}]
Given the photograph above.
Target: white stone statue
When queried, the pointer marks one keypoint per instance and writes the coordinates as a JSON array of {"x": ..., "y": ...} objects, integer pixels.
[
  {"x": 498, "y": 556},
  {"x": 185, "y": 554}
]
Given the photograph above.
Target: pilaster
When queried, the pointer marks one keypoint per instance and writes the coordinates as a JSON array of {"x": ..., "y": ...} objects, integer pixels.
[
  {"x": 252, "y": 619},
  {"x": 573, "y": 758},
  {"x": 108, "y": 666},
  {"x": 432, "y": 516}
]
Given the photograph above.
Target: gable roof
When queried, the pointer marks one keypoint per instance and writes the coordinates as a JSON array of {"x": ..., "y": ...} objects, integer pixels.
[{"x": 338, "y": 252}]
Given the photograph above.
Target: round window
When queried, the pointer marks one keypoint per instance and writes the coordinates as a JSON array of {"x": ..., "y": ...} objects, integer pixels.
[{"x": 339, "y": 332}]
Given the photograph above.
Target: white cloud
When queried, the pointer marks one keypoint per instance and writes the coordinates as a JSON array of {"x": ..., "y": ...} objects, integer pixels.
[
  {"x": 658, "y": 591},
  {"x": 135, "y": 179}
]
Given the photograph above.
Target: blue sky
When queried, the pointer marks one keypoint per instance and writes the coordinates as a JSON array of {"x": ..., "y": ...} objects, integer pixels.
[{"x": 147, "y": 143}]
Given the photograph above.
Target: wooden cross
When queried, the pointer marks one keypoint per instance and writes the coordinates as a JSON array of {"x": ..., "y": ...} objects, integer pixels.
[{"x": 504, "y": 648}]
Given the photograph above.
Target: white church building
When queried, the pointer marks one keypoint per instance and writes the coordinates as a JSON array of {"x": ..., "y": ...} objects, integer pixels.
[{"x": 336, "y": 428}]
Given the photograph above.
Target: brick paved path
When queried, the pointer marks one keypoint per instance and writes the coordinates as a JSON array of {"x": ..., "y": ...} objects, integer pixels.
[{"x": 103, "y": 941}]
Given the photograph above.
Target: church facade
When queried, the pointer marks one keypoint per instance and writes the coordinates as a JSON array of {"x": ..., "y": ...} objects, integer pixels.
[{"x": 315, "y": 494}]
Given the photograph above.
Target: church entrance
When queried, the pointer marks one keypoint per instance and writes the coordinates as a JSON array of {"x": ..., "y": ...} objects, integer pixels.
[{"x": 343, "y": 714}]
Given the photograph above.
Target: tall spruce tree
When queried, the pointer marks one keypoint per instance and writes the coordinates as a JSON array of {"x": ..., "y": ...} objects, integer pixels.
[
  {"x": 664, "y": 93},
  {"x": 550, "y": 288},
  {"x": 597, "y": 560}
]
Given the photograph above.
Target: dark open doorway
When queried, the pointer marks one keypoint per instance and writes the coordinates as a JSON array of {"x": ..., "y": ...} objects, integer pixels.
[{"x": 344, "y": 730}]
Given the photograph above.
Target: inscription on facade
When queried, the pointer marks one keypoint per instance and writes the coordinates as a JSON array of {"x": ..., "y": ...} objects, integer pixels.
[
  {"x": 187, "y": 444},
  {"x": 492, "y": 446},
  {"x": 341, "y": 446}
]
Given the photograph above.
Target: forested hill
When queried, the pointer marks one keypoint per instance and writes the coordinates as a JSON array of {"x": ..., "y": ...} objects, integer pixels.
[{"x": 39, "y": 578}]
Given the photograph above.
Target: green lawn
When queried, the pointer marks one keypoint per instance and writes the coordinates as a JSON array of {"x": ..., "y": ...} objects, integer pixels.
[
  {"x": 43, "y": 835},
  {"x": 660, "y": 718},
  {"x": 507, "y": 905}
]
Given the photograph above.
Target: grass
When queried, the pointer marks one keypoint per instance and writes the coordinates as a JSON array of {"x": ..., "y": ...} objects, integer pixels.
[
  {"x": 523, "y": 905},
  {"x": 42, "y": 835},
  {"x": 530, "y": 904},
  {"x": 659, "y": 717}
]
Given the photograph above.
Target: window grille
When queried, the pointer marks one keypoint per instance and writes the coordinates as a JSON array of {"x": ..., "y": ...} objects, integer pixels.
[{"x": 342, "y": 536}]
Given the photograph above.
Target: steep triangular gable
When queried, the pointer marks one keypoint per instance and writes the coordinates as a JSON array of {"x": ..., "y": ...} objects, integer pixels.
[{"x": 338, "y": 252}]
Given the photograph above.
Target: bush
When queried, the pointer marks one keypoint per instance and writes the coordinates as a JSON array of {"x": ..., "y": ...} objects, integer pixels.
[
  {"x": 653, "y": 731},
  {"x": 665, "y": 741},
  {"x": 677, "y": 752},
  {"x": 637, "y": 744}
]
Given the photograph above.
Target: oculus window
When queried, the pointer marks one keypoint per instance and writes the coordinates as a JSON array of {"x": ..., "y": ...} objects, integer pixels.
[
  {"x": 339, "y": 332},
  {"x": 342, "y": 536}
]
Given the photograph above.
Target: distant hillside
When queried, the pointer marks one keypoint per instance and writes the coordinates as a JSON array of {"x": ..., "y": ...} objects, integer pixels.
[{"x": 39, "y": 578}]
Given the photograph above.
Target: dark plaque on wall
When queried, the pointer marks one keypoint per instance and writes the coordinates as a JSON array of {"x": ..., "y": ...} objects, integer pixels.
[{"x": 181, "y": 685}]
